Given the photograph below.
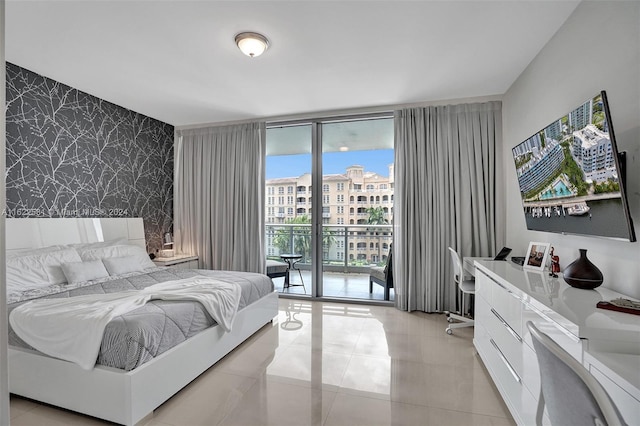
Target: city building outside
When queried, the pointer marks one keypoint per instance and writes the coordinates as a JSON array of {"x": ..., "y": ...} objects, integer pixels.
[{"x": 357, "y": 213}]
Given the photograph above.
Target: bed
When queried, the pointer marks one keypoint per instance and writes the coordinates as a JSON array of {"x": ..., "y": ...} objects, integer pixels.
[{"x": 145, "y": 363}]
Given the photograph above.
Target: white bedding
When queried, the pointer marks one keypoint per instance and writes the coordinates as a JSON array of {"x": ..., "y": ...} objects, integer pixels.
[{"x": 72, "y": 329}]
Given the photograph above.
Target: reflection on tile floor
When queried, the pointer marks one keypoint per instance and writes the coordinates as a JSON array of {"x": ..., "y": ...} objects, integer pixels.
[
  {"x": 330, "y": 364},
  {"x": 335, "y": 284}
]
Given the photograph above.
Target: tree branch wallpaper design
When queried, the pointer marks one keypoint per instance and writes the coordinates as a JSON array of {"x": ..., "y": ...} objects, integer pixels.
[{"x": 70, "y": 154}]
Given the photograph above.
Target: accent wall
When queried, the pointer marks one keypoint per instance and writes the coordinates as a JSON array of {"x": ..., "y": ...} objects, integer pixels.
[{"x": 71, "y": 154}]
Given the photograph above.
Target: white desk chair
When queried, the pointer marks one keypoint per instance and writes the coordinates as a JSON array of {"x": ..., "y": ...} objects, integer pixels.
[
  {"x": 464, "y": 287},
  {"x": 571, "y": 394}
]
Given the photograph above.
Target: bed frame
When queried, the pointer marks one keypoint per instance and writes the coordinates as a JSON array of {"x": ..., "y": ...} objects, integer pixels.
[{"x": 124, "y": 397}]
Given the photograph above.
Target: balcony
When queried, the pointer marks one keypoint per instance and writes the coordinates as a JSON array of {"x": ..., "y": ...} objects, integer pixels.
[{"x": 342, "y": 276}]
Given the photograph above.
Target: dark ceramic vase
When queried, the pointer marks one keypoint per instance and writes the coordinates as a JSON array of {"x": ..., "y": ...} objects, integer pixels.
[{"x": 581, "y": 273}]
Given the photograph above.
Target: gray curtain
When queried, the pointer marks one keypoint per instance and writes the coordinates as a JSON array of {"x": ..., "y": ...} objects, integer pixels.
[
  {"x": 445, "y": 185},
  {"x": 219, "y": 196}
]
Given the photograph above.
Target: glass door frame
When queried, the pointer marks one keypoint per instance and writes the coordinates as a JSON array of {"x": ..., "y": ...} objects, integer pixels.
[{"x": 316, "y": 198}]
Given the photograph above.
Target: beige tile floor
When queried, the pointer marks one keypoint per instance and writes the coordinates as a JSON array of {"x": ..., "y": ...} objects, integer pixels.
[{"x": 330, "y": 364}]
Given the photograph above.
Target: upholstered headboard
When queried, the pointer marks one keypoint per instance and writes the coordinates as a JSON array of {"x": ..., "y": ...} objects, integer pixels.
[{"x": 29, "y": 233}]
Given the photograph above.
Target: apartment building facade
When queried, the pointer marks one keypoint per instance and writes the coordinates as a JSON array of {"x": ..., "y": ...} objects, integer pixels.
[{"x": 347, "y": 203}]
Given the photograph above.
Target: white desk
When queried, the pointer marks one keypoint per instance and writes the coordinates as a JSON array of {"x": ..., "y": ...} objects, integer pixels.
[
  {"x": 469, "y": 266},
  {"x": 605, "y": 342}
]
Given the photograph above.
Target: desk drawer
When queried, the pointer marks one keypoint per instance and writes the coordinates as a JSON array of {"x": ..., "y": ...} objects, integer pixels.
[
  {"x": 568, "y": 341},
  {"x": 519, "y": 400},
  {"x": 627, "y": 405},
  {"x": 507, "y": 340},
  {"x": 508, "y": 306}
]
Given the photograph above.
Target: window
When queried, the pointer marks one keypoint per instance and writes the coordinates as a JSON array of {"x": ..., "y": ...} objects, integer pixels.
[
  {"x": 270, "y": 200},
  {"x": 340, "y": 209},
  {"x": 340, "y": 198},
  {"x": 290, "y": 211},
  {"x": 325, "y": 199},
  {"x": 289, "y": 189},
  {"x": 290, "y": 199},
  {"x": 370, "y": 187},
  {"x": 383, "y": 186},
  {"x": 325, "y": 187},
  {"x": 340, "y": 221},
  {"x": 281, "y": 190},
  {"x": 270, "y": 190},
  {"x": 280, "y": 200},
  {"x": 340, "y": 186},
  {"x": 357, "y": 187}
]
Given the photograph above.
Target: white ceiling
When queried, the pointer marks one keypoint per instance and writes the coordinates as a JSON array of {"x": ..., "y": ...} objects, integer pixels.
[{"x": 176, "y": 60}]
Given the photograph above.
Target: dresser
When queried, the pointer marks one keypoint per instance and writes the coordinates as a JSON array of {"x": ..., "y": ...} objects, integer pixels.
[
  {"x": 180, "y": 261},
  {"x": 605, "y": 342}
]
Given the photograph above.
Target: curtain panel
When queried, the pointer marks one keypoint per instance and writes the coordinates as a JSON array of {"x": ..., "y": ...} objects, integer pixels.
[
  {"x": 445, "y": 196},
  {"x": 219, "y": 196}
]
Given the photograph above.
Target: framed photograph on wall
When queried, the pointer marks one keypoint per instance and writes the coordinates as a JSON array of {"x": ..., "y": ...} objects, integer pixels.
[{"x": 536, "y": 257}]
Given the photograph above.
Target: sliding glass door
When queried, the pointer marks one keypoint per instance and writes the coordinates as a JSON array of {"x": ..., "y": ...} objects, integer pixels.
[
  {"x": 350, "y": 161},
  {"x": 289, "y": 207}
]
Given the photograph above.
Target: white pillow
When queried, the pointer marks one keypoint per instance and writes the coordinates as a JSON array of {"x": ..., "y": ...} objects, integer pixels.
[
  {"x": 122, "y": 250},
  {"x": 77, "y": 272},
  {"x": 29, "y": 271},
  {"x": 121, "y": 265}
]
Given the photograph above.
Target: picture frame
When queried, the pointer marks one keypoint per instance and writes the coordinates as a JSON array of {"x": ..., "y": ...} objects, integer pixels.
[{"x": 537, "y": 254}]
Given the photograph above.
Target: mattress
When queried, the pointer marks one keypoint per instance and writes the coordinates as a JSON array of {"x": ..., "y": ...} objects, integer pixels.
[{"x": 138, "y": 336}]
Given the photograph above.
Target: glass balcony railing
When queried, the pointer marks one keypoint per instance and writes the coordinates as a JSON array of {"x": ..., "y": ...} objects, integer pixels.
[{"x": 346, "y": 248}]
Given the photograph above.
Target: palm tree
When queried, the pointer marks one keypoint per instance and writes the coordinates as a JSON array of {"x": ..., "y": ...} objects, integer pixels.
[
  {"x": 297, "y": 239},
  {"x": 376, "y": 217}
]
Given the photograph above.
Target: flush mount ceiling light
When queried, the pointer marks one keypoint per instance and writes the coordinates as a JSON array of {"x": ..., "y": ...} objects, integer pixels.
[{"x": 252, "y": 44}]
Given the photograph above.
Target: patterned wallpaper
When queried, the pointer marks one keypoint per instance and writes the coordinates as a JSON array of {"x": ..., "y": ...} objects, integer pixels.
[{"x": 70, "y": 154}]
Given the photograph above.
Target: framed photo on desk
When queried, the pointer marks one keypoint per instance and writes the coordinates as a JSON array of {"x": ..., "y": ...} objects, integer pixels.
[{"x": 536, "y": 257}]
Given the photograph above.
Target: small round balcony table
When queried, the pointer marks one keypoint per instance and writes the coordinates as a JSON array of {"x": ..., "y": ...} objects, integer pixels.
[{"x": 292, "y": 259}]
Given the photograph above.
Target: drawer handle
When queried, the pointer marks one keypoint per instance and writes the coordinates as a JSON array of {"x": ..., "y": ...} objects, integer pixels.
[
  {"x": 509, "y": 329},
  {"x": 511, "y": 293},
  {"x": 564, "y": 331},
  {"x": 506, "y": 362}
]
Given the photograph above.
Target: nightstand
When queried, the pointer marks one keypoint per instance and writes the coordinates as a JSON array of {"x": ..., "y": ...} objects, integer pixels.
[{"x": 180, "y": 261}]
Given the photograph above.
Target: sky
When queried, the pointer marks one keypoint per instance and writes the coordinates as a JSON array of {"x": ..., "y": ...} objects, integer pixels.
[{"x": 281, "y": 166}]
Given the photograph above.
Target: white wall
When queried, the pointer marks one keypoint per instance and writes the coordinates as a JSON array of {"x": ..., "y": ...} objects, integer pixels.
[{"x": 598, "y": 48}]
